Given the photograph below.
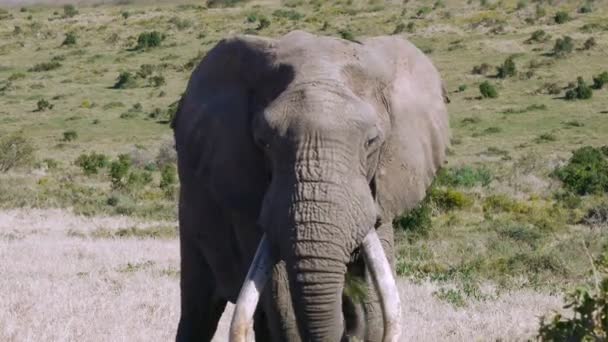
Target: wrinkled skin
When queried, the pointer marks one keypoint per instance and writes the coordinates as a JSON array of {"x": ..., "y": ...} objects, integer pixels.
[{"x": 313, "y": 141}]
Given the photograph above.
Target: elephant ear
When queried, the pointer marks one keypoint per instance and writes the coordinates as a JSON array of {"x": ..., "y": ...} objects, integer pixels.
[
  {"x": 418, "y": 132},
  {"x": 212, "y": 126}
]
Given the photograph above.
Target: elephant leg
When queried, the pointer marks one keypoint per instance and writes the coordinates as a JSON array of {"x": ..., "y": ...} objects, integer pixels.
[
  {"x": 373, "y": 310},
  {"x": 278, "y": 310},
  {"x": 201, "y": 306}
]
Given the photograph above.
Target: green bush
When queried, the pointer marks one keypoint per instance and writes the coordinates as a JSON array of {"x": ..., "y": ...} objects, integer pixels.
[
  {"x": 450, "y": 199},
  {"x": 91, "y": 163},
  {"x": 581, "y": 92},
  {"x": 15, "y": 151},
  {"x": 138, "y": 179},
  {"x": 157, "y": 81},
  {"x": 70, "y": 135},
  {"x": 145, "y": 70},
  {"x": 563, "y": 46},
  {"x": 417, "y": 221},
  {"x": 43, "y": 105},
  {"x": 288, "y": 14},
  {"x": 180, "y": 24},
  {"x": 600, "y": 80},
  {"x": 586, "y": 171},
  {"x": 538, "y": 36},
  {"x": 465, "y": 176},
  {"x": 119, "y": 171},
  {"x": 168, "y": 180},
  {"x": 589, "y": 44},
  {"x": 45, "y": 66},
  {"x": 69, "y": 11},
  {"x": 507, "y": 69},
  {"x": 561, "y": 17},
  {"x": 223, "y": 3},
  {"x": 487, "y": 90},
  {"x": 70, "y": 39},
  {"x": 588, "y": 322},
  {"x": 125, "y": 80},
  {"x": 481, "y": 69},
  {"x": 148, "y": 40},
  {"x": 125, "y": 14},
  {"x": 264, "y": 23},
  {"x": 586, "y": 8}
]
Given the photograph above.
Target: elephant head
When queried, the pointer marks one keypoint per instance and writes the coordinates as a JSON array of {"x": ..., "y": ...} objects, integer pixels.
[{"x": 330, "y": 139}]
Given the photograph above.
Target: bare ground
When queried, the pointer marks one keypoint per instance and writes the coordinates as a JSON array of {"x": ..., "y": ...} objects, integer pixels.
[{"x": 60, "y": 284}]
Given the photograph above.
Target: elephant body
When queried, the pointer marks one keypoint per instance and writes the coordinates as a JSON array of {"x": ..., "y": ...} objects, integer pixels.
[{"x": 310, "y": 141}]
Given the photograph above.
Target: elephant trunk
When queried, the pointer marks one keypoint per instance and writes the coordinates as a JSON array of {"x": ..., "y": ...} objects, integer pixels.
[{"x": 317, "y": 281}]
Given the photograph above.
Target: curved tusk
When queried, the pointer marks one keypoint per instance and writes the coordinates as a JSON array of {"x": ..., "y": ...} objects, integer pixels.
[
  {"x": 384, "y": 281},
  {"x": 259, "y": 272}
]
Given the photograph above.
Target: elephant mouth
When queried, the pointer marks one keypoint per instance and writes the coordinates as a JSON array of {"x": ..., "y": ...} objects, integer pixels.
[{"x": 261, "y": 269}]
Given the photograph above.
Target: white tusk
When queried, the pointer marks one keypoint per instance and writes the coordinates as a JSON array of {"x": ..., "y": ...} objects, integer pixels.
[
  {"x": 259, "y": 272},
  {"x": 385, "y": 284}
]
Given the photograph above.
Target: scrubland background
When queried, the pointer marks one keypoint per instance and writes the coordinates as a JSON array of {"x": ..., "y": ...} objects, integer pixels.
[{"x": 88, "y": 231}]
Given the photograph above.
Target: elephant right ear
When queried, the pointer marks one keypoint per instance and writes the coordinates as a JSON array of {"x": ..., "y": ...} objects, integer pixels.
[{"x": 216, "y": 152}]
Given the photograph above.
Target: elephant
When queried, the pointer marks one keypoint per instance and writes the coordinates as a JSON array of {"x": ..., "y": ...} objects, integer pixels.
[{"x": 295, "y": 154}]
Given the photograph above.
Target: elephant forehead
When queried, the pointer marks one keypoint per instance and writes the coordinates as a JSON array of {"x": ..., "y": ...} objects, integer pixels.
[{"x": 319, "y": 106}]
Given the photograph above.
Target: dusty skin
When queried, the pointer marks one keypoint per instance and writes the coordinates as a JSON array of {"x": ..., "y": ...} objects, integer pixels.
[{"x": 64, "y": 285}]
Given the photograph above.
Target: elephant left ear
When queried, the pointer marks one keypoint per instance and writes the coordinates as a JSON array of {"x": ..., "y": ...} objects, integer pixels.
[{"x": 418, "y": 133}]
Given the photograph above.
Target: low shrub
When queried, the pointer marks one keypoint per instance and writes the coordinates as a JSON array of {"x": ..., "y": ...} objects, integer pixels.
[
  {"x": 561, "y": 17},
  {"x": 180, "y": 24},
  {"x": 45, "y": 66},
  {"x": 15, "y": 151},
  {"x": 587, "y": 322},
  {"x": 43, "y": 105},
  {"x": 450, "y": 199},
  {"x": 580, "y": 92},
  {"x": 70, "y": 135},
  {"x": 597, "y": 216},
  {"x": 288, "y": 14},
  {"x": 563, "y": 46},
  {"x": 586, "y": 172},
  {"x": 168, "y": 180},
  {"x": 589, "y": 44},
  {"x": 487, "y": 90},
  {"x": 586, "y": 8},
  {"x": 148, "y": 40},
  {"x": 538, "y": 36},
  {"x": 91, "y": 163},
  {"x": 481, "y": 69},
  {"x": 507, "y": 69},
  {"x": 70, "y": 39},
  {"x": 465, "y": 176},
  {"x": 600, "y": 80},
  {"x": 224, "y": 3},
  {"x": 125, "y": 80},
  {"x": 69, "y": 11},
  {"x": 157, "y": 81},
  {"x": 119, "y": 171},
  {"x": 417, "y": 221}
]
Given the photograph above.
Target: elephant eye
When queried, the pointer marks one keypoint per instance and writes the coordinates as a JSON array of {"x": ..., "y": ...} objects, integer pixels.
[{"x": 371, "y": 142}]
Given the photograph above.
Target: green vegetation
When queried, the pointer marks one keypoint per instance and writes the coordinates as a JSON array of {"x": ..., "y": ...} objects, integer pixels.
[
  {"x": 561, "y": 17},
  {"x": 581, "y": 92},
  {"x": 69, "y": 11},
  {"x": 70, "y": 39},
  {"x": 15, "y": 151},
  {"x": 507, "y": 69},
  {"x": 563, "y": 46},
  {"x": 586, "y": 172},
  {"x": 91, "y": 163},
  {"x": 487, "y": 90},
  {"x": 600, "y": 80},
  {"x": 148, "y": 40}
]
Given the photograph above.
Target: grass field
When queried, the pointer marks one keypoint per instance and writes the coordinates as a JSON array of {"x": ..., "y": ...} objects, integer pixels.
[{"x": 499, "y": 230}]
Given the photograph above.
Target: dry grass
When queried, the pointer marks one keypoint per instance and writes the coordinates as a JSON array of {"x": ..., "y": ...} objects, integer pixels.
[{"x": 59, "y": 284}]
